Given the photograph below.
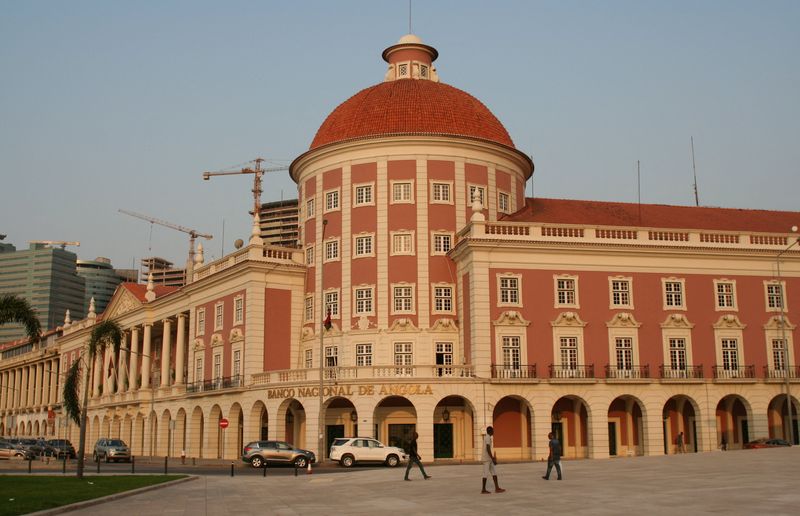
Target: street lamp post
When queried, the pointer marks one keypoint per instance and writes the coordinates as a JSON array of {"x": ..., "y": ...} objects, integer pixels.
[{"x": 787, "y": 369}]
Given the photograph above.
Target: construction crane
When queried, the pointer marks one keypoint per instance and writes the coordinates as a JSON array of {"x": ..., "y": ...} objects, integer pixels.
[
  {"x": 193, "y": 233},
  {"x": 257, "y": 172},
  {"x": 62, "y": 243}
]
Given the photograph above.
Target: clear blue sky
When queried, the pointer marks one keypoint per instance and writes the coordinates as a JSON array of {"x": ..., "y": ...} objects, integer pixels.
[{"x": 111, "y": 104}]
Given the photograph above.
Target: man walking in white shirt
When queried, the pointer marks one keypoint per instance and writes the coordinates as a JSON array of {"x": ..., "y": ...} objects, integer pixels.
[{"x": 489, "y": 461}]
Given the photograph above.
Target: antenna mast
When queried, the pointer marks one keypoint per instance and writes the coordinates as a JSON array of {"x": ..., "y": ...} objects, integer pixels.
[
  {"x": 694, "y": 172},
  {"x": 639, "y": 189}
]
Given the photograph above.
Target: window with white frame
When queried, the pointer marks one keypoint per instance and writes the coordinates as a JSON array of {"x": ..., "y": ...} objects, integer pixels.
[
  {"x": 198, "y": 369},
  {"x": 363, "y": 195},
  {"x": 730, "y": 355},
  {"x": 310, "y": 255},
  {"x": 442, "y": 242},
  {"x": 621, "y": 293},
  {"x": 778, "y": 355},
  {"x": 774, "y": 296},
  {"x": 509, "y": 290},
  {"x": 310, "y": 208},
  {"x": 503, "y": 202},
  {"x": 477, "y": 192},
  {"x": 566, "y": 291},
  {"x": 725, "y": 294},
  {"x": 363, "y": 355},
  {"x": 442, "y": 299},
  {"x": 309, "y": 309},
  {"x": 238, "y": 310},
  {"x": 237, "y": 363},
  {"x": 403, "y": 358},
  {"x": 363, "y": 246},
  {"x": 331, "y": 356},
  {"x": 332, "y": 200},
  {"x": 444, "y": 358},
  {"x": 363, "y": 300},
  {"x": 674, "y": 294},
  {"x": 440, "y": 193},
  {"x": 402, "y": 192},
  {"x": 624, "y": 351},
  {"x": 569, "y": 353},
  {"x": 309, "y": 361},
  {"x": 677, "y": 354},
  {"x": 217, "y": 366},
  {"x": 332, "y": 303},
  {"x": 201, "y": 321},
  {"x": 219, "y": 311},
  {"x": 331, "y": 250},
  {"x": 402, "y": 243},
  {"x": 403, "y": 299},
  {"x": 512, "y": 352}
]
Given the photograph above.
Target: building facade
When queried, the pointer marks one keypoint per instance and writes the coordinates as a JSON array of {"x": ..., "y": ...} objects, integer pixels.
[
  {"x": 280, "y": 223},
  {"x": 101, "y": 281},
  {"x": 430, "y": 295}
]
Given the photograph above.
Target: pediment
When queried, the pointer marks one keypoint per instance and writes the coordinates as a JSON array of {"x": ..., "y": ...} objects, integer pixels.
[
  {"x": 444, "y": 324},
  {"x": 729, "y": 322},
  {"x": 569, "y": 319},
  {"x": 121, "y": 303},
  {"x": 623, "y": 320},
  {"x": 403, "y": 324},
  {"x": 511, "y": 318},
  {"x": 774, "y": 323},
  {"x": 678, "y": 321}
]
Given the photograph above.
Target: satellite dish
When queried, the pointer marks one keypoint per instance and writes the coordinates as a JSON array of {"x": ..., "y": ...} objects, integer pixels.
[{"x": 239, "y": 243}]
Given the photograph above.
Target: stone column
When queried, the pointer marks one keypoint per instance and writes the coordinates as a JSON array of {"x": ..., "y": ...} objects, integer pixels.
[
  {"x": 18, "y": 391},
  {"x": 5, "y": 378},
  {"x": 146, "y": 358},
  {"x": 54, "y": 381},
  {"x": 133, "y": 365},
  {"x": 122, "y": 367},
  {"x": 180, "y": 351},
  {"x": 44, "y": 383},
  {"x": 96, "y": 377},
  {"x": 166, "y": 346},
  {"x": 106, "y": 359},
  {"x": 597, "y": 433},
  {"x": 24, "y": 390}
]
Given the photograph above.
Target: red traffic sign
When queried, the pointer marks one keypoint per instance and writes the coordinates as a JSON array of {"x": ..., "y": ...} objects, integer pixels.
[{"x": 223, "y": 423}]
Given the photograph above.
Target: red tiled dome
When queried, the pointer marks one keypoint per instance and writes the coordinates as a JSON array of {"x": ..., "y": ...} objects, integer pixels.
[{"x": 406, "y": 107}]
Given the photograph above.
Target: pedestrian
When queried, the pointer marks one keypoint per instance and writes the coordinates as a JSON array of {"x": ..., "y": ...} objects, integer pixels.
[
  {"x": 554, "y": 459},
  {"x": 723, "y": 445},
  {"x": 489, "y": 460},
  {"x": 681, "y": 445},
  {"x": 414, "y": 458}
]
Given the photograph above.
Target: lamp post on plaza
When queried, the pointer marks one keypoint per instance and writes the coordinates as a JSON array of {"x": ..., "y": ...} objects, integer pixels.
[
  {"x": 321, "y": 422},
  {"x": 787, "y": 370}
]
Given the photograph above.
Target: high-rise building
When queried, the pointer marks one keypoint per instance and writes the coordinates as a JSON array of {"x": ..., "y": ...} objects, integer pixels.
[
  {"x": 279, "y": 222},
  {"x": 163, "y": 271},
  {"x": 101, "y": 281},
  {"x": 47, "y": 277}
]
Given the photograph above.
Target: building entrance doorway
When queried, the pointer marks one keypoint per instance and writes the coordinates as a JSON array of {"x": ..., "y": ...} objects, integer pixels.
[
  {"x": 612, "y": 438},
  {"x": 399, "y": 434},
  {"x": 442, "y": 440},
  {"x": 332, "y": 432}
]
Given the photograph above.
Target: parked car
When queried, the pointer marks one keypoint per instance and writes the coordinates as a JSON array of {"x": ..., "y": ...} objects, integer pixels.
[
  {"x": 62, "y": 448},
  {"x": 31, "y": 445},
  {"x": 350, "y": 450},
  {"x": 766, "y": 443},
  {"x": 111, "y": 449},
  {"x": 261, "y": 453},
  {"x": 10, "y": 451}
]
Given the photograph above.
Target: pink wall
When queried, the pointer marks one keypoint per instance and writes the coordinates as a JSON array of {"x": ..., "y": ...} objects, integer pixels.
[
  {"x": 224, "y": 332},
  {"x": 277, "y": 328}
]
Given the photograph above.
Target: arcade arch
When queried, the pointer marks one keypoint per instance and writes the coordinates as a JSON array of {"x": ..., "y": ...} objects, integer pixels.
[
  {"x": 570, "y": 424},
  {"x": 733, "y": 421}
]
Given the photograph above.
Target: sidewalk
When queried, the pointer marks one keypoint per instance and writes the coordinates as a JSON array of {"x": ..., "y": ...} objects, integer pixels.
[{"x": 736, "y": 482}]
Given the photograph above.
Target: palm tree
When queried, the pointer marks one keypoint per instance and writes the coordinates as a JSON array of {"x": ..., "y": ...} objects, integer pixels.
[
  {"x": 106, "y": 333},
  {"x": 17, "y": 309}
]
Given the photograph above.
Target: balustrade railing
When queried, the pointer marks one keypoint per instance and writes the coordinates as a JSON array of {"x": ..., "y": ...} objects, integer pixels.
[
  {"x": 685, "y": 373},
  {"x": 725, "y": 373},
  {"x": 224, "y": 382},
  {"x": 513, "y": 372},
  {"x": 571, "y": 371},
  {"x": 771, "y": 372},
  {"x": 634, "y": 372}
]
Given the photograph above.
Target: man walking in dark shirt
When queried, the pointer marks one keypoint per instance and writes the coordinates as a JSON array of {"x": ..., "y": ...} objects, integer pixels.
[
  {"x": 414, "y": 458},
  {"x": 554, "y": 459}
]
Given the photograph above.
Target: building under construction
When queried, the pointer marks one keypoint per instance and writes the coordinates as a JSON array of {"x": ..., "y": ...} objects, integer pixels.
[
  {"x": 279, "y": 223},
  {"x": 163, "y": 271}
]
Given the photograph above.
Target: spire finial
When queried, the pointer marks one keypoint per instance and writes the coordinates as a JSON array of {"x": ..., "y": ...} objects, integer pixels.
[
  {"x": 92, "y": 313},
  {"x": 150, "y": 295}
]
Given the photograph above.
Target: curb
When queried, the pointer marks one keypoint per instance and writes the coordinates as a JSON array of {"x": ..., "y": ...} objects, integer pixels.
[{"x": 116, "y": 496}]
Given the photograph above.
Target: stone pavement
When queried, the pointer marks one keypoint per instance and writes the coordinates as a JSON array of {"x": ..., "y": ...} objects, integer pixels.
[{"x": 735, "y": 482}]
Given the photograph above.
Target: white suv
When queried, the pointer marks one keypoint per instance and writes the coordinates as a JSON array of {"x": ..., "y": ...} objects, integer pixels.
[{"x": 349, "y": 450}]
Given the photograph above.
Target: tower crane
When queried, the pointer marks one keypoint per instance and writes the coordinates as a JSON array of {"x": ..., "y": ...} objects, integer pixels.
[
  {"x": 193, "y": 234},
  {"x": 257, "y": 172},
  {"x": 62, "y": 243}
]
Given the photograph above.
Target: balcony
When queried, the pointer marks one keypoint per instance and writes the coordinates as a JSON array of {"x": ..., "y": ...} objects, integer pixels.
[
  {"x": 365, "y": 373},
  {"x": 667, "y": 372},
  {"x": 747, "y": 373},
  {"x": 507, "y": 372},
  {"x": 772, "y": 374},
  {"x": 634, "y": 372},
  {"x": 572, "y": 373},
  {"x": 217, "y": 384}
]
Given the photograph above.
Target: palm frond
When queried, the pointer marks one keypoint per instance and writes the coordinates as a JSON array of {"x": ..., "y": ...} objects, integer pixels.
[
  {"x": 17, "y": 309},
  {"x": 105, "y": 333},
  {"x": 72, "y": 404}
]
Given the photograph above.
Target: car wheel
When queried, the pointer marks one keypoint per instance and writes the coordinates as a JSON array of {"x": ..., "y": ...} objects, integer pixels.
[
  {"x": 257, "y": 462},
  {"x": 301, "y": 462},
  {"x": 347, "y": 461},
  {"x": 392, "y": 461}
]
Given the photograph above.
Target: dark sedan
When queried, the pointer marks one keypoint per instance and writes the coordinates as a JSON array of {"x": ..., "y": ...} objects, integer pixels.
[{"x": 766, "y": 443}]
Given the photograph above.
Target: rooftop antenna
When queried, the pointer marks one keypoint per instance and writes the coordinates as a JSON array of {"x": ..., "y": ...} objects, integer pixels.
[
  {"x": 639, "y": 188},
  {"x": 409, "y": 17},
  {"x": 694, "y": 172}
]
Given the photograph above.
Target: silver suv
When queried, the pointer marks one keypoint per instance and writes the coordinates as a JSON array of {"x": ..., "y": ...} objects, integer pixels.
[{"x": 111, "y": 449}]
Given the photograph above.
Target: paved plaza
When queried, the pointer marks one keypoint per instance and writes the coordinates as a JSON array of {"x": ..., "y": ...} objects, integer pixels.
[{"x": 736, "y": 482}]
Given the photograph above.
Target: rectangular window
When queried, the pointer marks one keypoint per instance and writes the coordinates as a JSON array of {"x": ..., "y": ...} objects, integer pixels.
[
  {"x": 621, "y": 292},
  {"x": 774, "y": 295},
  {"x": 511, "y": 353},
  {"x": 503, "y": 202},
  {"x": 309, "y": 309},
  {"x": 331, "y": 356},
  {"x": 442, "y": 243},
  {"x": 309, "y": 358},
  {"x": 217, "y": 366},
  {"x": 443, "y": 299},
  {"x": 402, "y": 243},
  {"x": 201, "y": 321},
  {"x": 624, "y": 347},
  {"x": 238, "y": 310},
  {"x": 363, "y": 355},
  {"x": 730, "y": 355},
  {"x": 198, "y": 370},
  {"x": 569, "y": 353},
  {"x": 403, "y": 359},
  {"x": 509, "y": 291},
  {"x": 331, "y": 250},
  {"x": 332, "y": 200},
  {"x": 363, "y": 246},
  {"x": 725, "y": 295},
  {"x": 403, "y": 299},
  {"x": 363, "y": 301},
  {"x": 441, "y": 192},
  {"x": 310, "y": 208},
  {"x": 237, "y": 363},
  {"x": 332, "y": 304},
  {"x": 363, "y": 195},
  {"x": 673, "y": 293},
  {"x": 566, "y": 291},
  {"x": 778, "y": 355},
  {"x": 310, "y": 256},
  {"x": 444, "y": 358},
  {"x": 401, "y": 192},
  {"x": 677, "y": 354},
  {"x": 218, "y": 314},
  {"x": 477, "y": 193}
]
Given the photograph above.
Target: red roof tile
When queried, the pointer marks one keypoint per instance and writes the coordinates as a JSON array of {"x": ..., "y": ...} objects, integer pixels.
[
  {"x": 409, "y": 106},
  {"x": 139, "y": 290},
  {"x": 568, "y": 211}
]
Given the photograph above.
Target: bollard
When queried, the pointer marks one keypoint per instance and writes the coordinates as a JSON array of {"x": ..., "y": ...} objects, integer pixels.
[
  {"x": 64, "y": 465},
  {"x": 133, "y": 464},
  {"x": 193, "y": 461},
  {"x": 265, "y": 469},
  {"x": 295, "y": 469},
  {"x": 231, "y": 468},
  {"x": 98, "y": 465},
  {"x": 29, "y": 464},
  {"x": 165, "y": 465}
]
